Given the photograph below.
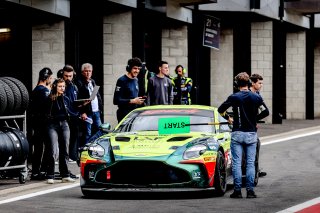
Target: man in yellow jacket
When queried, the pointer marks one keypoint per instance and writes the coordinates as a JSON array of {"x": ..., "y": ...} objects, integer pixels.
[{"x": 182, "y": 86}]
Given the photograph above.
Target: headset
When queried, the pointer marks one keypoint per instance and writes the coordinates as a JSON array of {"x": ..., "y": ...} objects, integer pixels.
[
  {"x": 133, "y": 62},
  {"x": 183, "y": 69},
  {"x": 55, "y": 83},
  {"x": 45, "y": 73},
  {"x": 128, "y": 68}
]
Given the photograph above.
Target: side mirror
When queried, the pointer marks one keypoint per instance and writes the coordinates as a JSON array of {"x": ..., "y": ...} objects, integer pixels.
[{"x": 105, "y": 127}]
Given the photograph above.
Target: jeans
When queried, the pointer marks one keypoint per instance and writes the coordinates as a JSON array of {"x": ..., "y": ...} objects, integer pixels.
[
  {"x": 89, "y": 127},
  {"x": 247, "y": 142},
  {"x": 59, "y": 135},
  {"x": 74, "y": 138}
]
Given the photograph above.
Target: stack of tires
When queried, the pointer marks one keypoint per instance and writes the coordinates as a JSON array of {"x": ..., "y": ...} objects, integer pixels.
[
  {"x": 14, "y": 147},
  {"x": 14, "y": 96}
]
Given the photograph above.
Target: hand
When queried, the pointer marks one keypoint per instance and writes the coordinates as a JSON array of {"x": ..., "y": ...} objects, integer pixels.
[
  {"x": 86, "y": 102},
  {"x": 83, "y": 116},
  {"x": 230, "y": 120},
  {"x": 137, "y": 100}
]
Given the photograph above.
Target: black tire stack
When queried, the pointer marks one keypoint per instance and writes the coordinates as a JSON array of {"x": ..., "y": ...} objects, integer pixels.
[
  {"x": 14, "y": 147},
  {"x": 14, "y": 97}
]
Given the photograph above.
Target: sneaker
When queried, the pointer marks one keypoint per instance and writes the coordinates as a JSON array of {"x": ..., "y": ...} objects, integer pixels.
[
  {"x": 73, "y": 176},
  {"x": 37, "y": 177},
  {"x": 71, "y": 161},
  {"x": 236, "y": 194},
  {"x": 68, "y": 180},
  {"x": 251, "y": 194},
  {"x": 50, "y": 181}
]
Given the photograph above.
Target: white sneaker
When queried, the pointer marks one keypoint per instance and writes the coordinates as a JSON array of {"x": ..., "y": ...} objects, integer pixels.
[
  {"x": 50, "y": 181},
  {"x": 72, "y": 161},
  {"x": 68, "y": 180}
]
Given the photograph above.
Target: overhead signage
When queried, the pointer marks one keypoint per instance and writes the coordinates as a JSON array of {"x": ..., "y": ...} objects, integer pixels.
[{"x": 211, "y": 32}]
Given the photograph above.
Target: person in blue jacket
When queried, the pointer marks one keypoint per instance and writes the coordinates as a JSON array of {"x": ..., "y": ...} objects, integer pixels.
[
  {"x": 127, "y": 90},
  {"x": 248, "y": 108},
  {"x": 71, "y": 91}
]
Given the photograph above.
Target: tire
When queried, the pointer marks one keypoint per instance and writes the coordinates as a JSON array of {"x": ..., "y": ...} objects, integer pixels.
[
  {"x": 220, "y": 175},
  {"x": 10, "y": 97},
  {"x": 88, "y": 194},
  {"x": 16, "y": 94},
  {"x": 3, "y": 99},
  {"x": 22, "y": 179},
  {"x": 23, "y": 94}
]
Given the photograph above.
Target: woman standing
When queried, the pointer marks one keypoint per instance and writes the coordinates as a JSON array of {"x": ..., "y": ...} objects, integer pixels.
[{"x": 58, "y": 131}]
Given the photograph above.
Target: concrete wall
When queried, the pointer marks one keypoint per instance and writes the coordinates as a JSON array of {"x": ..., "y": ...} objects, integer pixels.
[
  {"x": 317, "y": 80},
  {"x": 296, "y": 75},
  {"x": 175, "y": 47},
  {"x": 261, "y": 59},
  {"x": 48, "y": 48},
  {"x": 117, "y": 30},
  {"x": 222, "y": 69}
]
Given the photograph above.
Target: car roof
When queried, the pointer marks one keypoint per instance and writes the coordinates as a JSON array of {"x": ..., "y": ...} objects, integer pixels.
[{"x": 202, "y": 107}]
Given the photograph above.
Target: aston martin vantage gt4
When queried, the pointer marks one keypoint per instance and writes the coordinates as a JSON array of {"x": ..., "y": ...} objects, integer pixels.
[{"x": 160, "y": 148}]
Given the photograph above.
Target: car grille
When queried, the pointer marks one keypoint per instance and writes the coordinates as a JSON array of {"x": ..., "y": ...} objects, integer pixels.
[{"x": 142, "y": 173}]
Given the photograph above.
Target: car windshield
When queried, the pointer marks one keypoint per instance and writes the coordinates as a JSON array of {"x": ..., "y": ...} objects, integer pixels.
[{"x": 148, "y": 120}]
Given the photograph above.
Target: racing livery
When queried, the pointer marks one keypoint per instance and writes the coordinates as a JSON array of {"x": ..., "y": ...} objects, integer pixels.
[{"x": 139, "y": 155}]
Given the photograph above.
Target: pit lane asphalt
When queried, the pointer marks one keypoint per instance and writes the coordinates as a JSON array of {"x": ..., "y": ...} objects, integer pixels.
[{"x": 11, "y": 187}]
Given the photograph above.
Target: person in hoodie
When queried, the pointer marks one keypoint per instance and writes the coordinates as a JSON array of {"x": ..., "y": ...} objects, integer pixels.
[{"x": 58, "y": 131}]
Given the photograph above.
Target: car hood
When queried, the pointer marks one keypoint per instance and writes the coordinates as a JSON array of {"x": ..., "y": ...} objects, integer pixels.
[{"x": 149, "y": 143}]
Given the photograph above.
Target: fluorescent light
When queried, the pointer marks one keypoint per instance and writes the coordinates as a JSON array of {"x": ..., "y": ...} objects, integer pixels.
[{"x": 5, "y": 30}]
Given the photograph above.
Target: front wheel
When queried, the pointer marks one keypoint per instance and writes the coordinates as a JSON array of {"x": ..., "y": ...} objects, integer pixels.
[{"x": 220, "y": 175}]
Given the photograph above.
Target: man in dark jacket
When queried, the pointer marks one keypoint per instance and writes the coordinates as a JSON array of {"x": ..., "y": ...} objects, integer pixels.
[
  {"x": 127, "y": 90},
  {"x": 38, "y": 99},
  {"x": 248, "y": 108},
  {"x": 91, "y": 110},
  {"x": 71, "y": 91}
]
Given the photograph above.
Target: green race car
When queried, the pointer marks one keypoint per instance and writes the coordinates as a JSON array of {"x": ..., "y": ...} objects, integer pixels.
[{"x": 160, "y": 148}]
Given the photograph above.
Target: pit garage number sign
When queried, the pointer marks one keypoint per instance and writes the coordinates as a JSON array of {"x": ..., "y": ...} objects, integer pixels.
[
  {"x": 175, "y": 125},
  {"x": 211, "y": 32}
]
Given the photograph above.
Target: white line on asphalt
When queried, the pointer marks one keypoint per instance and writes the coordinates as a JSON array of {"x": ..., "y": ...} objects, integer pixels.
[
  {"x": 38, "y": 193},
  {"x": 301, "y": 206},
  {"x": 310, "y": 202},
  {"x": 289, "y": 138}
]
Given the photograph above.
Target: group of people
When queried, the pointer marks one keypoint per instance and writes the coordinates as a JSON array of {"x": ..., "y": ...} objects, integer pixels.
[
  {"x": 140, "y": 87},
  {"x": 61, "y": 123},
  {"x": 135, "y": 89},
  {"x": 56, "y": 112},
  {"x": 248, "y": 107}
]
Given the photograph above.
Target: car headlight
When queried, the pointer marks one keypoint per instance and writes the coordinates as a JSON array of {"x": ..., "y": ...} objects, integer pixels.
[
  {"x": 96, "y": 151},
  {"x": 194, "y": 151},
  {"x": 212, "y": 144}
]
